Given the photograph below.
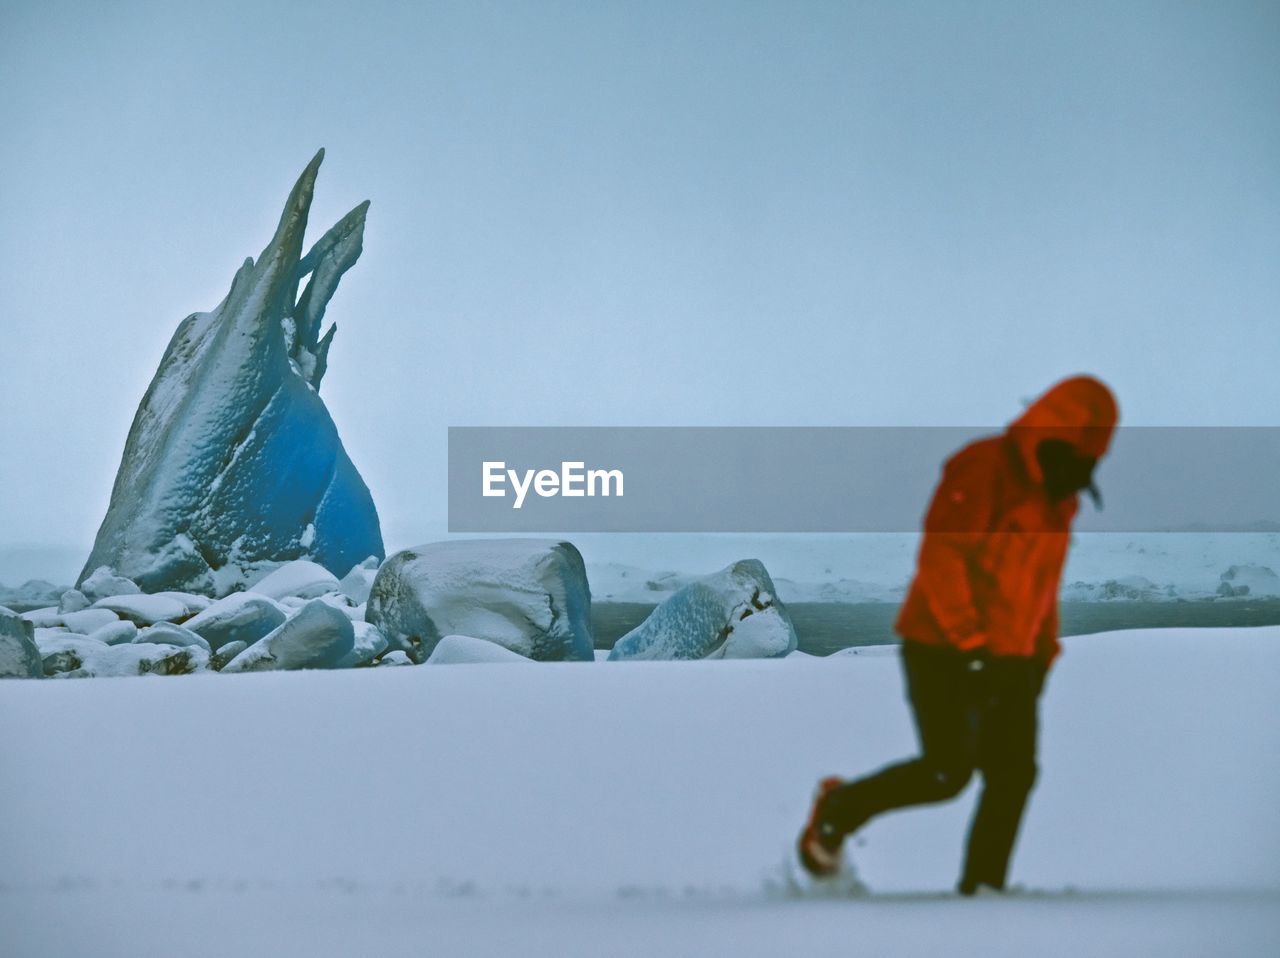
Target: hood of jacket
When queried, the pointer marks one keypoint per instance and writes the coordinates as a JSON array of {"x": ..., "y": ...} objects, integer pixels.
[{"x": 1081, "y": 411}]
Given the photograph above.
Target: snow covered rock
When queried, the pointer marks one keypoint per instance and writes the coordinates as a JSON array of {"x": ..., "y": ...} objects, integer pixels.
[
  {"x": 343, "y": 604},
  {"x": 355, "y": 585},
  {"x": 73, "y": 600},
  {"x": 167, "y": 633},
  {"x": 88, "y": 620},
  {"x": 142, "y": 609},
  {"x": 19, "y": 656},
  {"x": 233, "y": 464},
  {"x": 191, "y": 602},
  {"x": 75, "y": 656},
  {"x": 240, "y": 617},
  {"x": 299, "y": 579},
  {"x": 528, "y": 595},
  {"x": 46, "y": 618},
  {"x": 463, "y": 649},
  {"x": 1250, "y": 580},
  {"x": 369, "y": 644},
  {"x": 317, "y": 636},
  {"x": 731, "y": 614},
  {"x": 116, "y": 633},
  {"x": 219, "y": 659},
  {"x": 105, "y": 582}
]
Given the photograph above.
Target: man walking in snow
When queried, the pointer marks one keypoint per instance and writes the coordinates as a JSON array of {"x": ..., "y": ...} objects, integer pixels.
[{"x": 980, "y": 630}]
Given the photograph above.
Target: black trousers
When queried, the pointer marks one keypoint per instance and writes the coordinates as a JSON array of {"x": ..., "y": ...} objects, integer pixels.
[{"x": 972, "y": 713}]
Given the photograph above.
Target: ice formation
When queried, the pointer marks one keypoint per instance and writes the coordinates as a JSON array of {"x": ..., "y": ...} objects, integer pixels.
[
  {"x": 528, "y": 595},
  {"x": 732, "y": 614},
  {"x": 233, "y": 464},
  {"x": 317, "y": 636},
  {"x": 240, "y": 617}
]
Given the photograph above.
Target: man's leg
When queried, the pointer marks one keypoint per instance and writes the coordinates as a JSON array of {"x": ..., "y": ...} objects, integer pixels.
[
  {"x": 1007, "y": 734},
  {"x": 940, "y": 687}
]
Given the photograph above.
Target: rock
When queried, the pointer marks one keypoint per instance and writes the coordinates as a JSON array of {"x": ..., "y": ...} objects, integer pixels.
[
  {"x": 233, "y": 464},
  {"x": 56, "y": 663},
  {"x": 104, "y": 582},
  {"x": 73, "y": 600},
  {"x": 317, "y": 636},
  {"x": 20, "y": 657},
  {"x": 219, "y": 659},
  {"x": 240, "y": 617},
  {"x": 298, "y": 579},
  {"x": 369, "y": 644},
  {"x": 528, "y": 595},
  {"x": 167, "y": 660},
  {"x": 141, "y": 609},
  {"x": 118, "y": 632},
  {"x": 46, "y": 618},
  {"x": 88, "y": 620},
  {"x": 463, "y": 650},
  {"x": 191, "y": 602},
  {"x": 733, "y": 613},
  {"x": 343, "y": 604},
  {"x": 355, "y": 585},
  {"x": 75, "y": 656},
  {"x": 167, "y": 633},
  {"x": 394, "y": 658}
]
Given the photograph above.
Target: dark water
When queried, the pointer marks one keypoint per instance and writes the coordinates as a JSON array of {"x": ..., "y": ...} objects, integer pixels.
[{"x": 826, "y": 627}]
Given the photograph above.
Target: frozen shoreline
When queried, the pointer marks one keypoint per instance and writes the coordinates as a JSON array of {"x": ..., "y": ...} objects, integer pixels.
[{"x": 816, "y": 568}]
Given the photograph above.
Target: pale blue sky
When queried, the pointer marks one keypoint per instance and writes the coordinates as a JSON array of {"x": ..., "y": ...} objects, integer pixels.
[{"x": 650, "y": 213}]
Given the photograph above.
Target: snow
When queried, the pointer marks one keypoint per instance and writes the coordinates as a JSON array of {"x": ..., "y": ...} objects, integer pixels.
[
  {"x": 167, "y": 633},
  {"x": 528, "y": 595},
  {"x": 115, "y": 633},
  {"x": 465, "y": 650},
  {"x": 81, "y": 657},
  {"x": 88, "y": 620},
  {"x": 191, "y": 602},
  {"x": 104, "y": 582},
  {"x": 355, "y": 585},
  {"x": 730, "y": 614},
  {"x": 46, "y": 618},
  {"x": 141, "y": 609},
  {"x": 300, "y": 579},
  {"x": 368, "y": 643},
  {"x": 583, "y": 810},
  {"x": 72, "y": 600}
]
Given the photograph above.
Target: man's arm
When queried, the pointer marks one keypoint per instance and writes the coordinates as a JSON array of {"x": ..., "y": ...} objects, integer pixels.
[{"x": 955, "y": 528}]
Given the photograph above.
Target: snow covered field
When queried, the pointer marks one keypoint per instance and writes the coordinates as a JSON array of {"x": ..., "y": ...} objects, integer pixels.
[{"x": 626, "y": 809}]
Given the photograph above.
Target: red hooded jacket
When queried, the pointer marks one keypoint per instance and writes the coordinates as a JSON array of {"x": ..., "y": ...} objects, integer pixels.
[{"x": 994, "y": 542}]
